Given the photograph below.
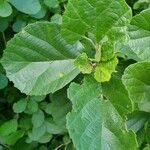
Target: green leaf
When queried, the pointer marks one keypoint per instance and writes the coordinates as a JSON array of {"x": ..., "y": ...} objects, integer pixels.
[
  {"x": 115, "y": 91},
  {"x": 18, "y": 25},
  {"x": 3, "y": 24},
  {"x": 25, "y": 123},
  {"x": 22, "y": 145},
  {"x": 139, "y": 32},
  {"x": 141, "y": 3},
  {"x": 41, "y": 14},
  {"x": 39, "y": 61},
  {"x": 105, "y": 20},
  {"x": 136, "y": 81},
  {"x": 14, "y": 137},
  {"x": 146, "y": 148},
  {"x": 20, "y": 106},
  {"x": 3, "y": 81},
  {"x": 5, "y": 9},
  {"x": 27, "y": 7},
  {"x": 51, "y": 3},
  {"x": 8, "y": 127},
  {"x": 38, "y": 118},
  {"x": 104, "y": 70},
  {"x": 83, "y": 63},
  {"x": 43, "y": 148},
  {"x": 38, "y": 98},
  {"x": 32, "y": 107},
  {"x": 145, "y": 106},
  {"x": 37, "y": 133},
  {"x": 56, "y": 19},
  {"x": 94, "y": 123},
  {"x": 53, "y": 128},
  {"x": 45, "y": 138},
  {"x": 137, "y": 120}
]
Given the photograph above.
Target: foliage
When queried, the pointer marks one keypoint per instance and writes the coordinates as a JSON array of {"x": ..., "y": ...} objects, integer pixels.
[{"x": 75, "y": 75}]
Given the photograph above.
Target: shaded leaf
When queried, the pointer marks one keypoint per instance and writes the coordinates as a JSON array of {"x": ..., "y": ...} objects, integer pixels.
[
  {"x": 115, "y": 91},
  {"x": 14, "y": 137},
  {"x": 20, "y": 106},
  {"x": 38, "y": 118},
  {"x": 8, "y": 127}
]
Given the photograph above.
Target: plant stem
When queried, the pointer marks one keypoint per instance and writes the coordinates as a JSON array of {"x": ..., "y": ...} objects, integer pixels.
[
  {"x": 62, "y": 145},
  {"x": 4, "y": 38}
]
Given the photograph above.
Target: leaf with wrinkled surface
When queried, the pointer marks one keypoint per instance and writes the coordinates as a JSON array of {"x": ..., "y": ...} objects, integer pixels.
[
  {"x": 39, "y": 61},
  {"x": 94, "y": 124},
  {"x": 106, "y": 20},
  {"x": 104, "y": 70}
]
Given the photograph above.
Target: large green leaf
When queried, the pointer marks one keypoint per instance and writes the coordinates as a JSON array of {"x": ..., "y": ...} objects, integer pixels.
[
  {"x": 39, "y": 61},
  {"x": 105, "y": 20},
  {"x": 115, "y": 91},
  {"x": 137, "y": 81},
  {"x": 139, "y": 32},
  {"x": 28, "y": 6},
  {"x": 94, "y": 123}
]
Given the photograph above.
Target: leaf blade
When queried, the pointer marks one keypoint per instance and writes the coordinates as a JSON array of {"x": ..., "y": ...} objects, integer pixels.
[{"x": 35, "y": 62}]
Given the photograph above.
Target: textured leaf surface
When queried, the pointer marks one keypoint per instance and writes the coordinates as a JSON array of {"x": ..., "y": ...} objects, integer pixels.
[
  {"x": 39, "y": 61},
  {"x": 137, "y": 81},
  {"x": 115, "y": 91},
  {"x": 104, "y": 70},
  {"x": 102, "y": 18},
  {"x": 94, "y": 124},
  {"x": 83, "y": 63},
  {"x": 139, "y": 32}
]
